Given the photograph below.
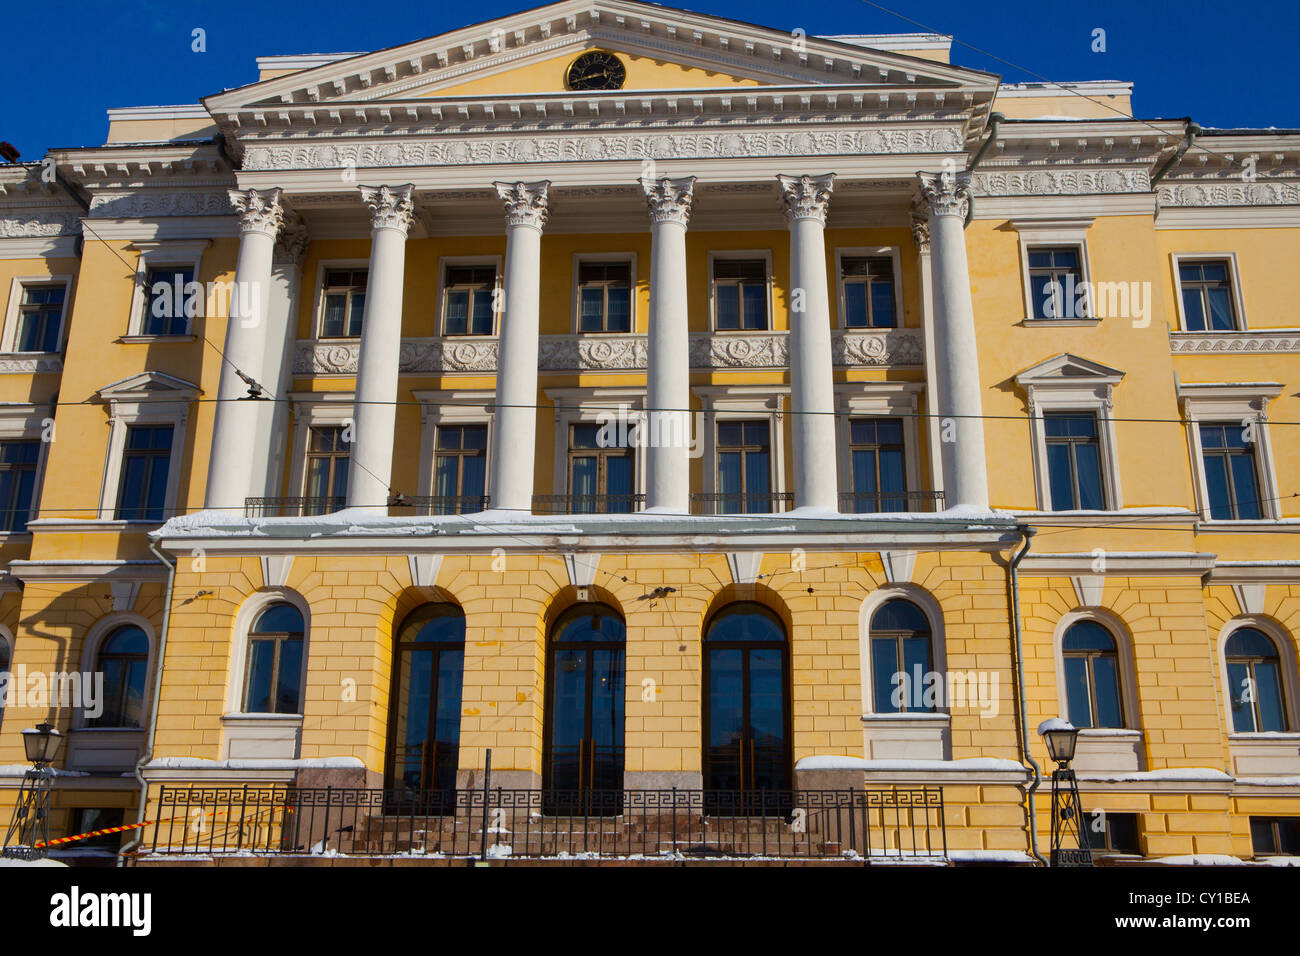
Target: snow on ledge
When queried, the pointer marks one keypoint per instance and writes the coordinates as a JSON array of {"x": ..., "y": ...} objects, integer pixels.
[
  {"x": 1199, "y": 774},
  {"x": 1200, "y": 859},
  {"x": 202, "y": 763},
  {"x": 989, "y": 856},
  {"x": 858, "y": 763}
]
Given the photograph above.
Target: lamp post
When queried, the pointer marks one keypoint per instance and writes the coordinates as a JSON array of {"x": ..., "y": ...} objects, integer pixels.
[
  {"x": 28, "y": 836},
  {"x": 1061, "y": 737}
]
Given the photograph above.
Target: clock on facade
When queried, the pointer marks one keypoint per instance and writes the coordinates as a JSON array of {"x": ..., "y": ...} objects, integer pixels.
[{"x": 596, "y": 70}]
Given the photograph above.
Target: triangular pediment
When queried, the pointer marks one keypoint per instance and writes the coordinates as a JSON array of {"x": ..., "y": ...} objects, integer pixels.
[
  {"x": 1065, "y": 369},
  {"x": 149, "y": 386},
  {"x": 664, "y": 49}
]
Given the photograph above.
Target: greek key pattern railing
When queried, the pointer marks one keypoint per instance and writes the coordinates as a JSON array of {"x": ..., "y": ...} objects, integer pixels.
[{"x": 860, "y": 826}]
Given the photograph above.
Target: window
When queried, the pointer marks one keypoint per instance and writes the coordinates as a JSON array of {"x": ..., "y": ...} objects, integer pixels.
[
  {"x": 18, "y": 460},
  {"x": 1092, "y": 676},
  {"x": 740, "y": 294},
  {"x": 328, "y": 457},
  {"x": 40, "y": 318},
  {"x": 744, "y": 467},
  {"x": 90, "y": 819},
  {"x": 1055, "y": 276},
  {"x": 1231, "y": 483},
  {"x": 167, "y": 290},
  {"x": 1073, "y": 461},
  {"x": 901, "y": 657},
  {"x": 344, "y": 303},
  {"x": 460, "y": 469},
  {"x": 1119, "y": 834},
  {"x": 146, "y": 461},
  {"x": 275, "y": 662},
  {"x": 868, "y": 287},
  {"x": 1275, "y": 836},
  {"x": 600, "y": 475},
  {"x": 467, "y": 300},
  {"x": 1205, "y": 288},
  {"x": 424, "y": 735},
  {"x": 879, "y": 472},
  {"x": 604, "y": 297},
  {"x": 123, "y": 659},
  {"x": 1255, "y": 682}
]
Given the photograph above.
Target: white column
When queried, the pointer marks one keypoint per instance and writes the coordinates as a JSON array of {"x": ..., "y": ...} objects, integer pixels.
[
  {"x": 965, "y": 474},
  {"x": 514, "y": 431},
  {"x": 277, "y": 367},
  {"x": 921, "y": 236},
  {"x": 235, "y": 428},
  {"x": 371, "y": 468},
  {"x": 668, "y": 371},
  {"x": 812, "y": 387}
]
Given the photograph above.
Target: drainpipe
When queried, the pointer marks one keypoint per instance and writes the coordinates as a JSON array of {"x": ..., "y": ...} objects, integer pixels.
[
  {"x": 153, "y": 710},
  {"x": 995, "y": 120},
  {"x": 1025, "y": 756},
  {"x": 1189, "y": 137}
]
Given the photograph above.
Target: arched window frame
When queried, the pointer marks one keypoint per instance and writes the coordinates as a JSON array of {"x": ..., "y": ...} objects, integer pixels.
[
  {"x": 249, "y": 611},
  {"x": 1127, "y": 668},
  {"x": 95, "y": 638},
  {"x": 1286, "y": 651},
  {"x": 938, "y": 645}
]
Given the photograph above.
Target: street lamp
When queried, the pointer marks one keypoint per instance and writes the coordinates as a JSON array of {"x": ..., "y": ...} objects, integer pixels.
[
  {"x": 28, "y": 836},
  {"x": 1061, "y": 737}
]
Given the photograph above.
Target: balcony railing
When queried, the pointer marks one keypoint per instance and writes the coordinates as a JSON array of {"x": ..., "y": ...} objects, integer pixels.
[
  {"x": 863, "y": 826},
  {"x": 587, "y": 504},
  {"x": 291, "y": 507},
  {"x": 420, "y": 505},
  {"x": 857, "y": 502},
  {"x": 727, "y": 503},
  {"x": 425, "y": 505}
]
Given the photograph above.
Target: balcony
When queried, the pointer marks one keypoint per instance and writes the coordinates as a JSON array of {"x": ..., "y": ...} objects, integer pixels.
[
  {"x": 587, "y": 504},
  {"x": 884, "y": 502},
  {"x": 728, "y": 503},
  {"x": 417, "y": 505}
]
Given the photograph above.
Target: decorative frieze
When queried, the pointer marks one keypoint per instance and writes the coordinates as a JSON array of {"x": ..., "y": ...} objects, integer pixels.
[
  {"x": 144, "y": 203},
  {"x": 1254, "y": 340},
  {"x": 1173, "y": 195},
  {"x": 39, "y": 223},
  {"x": 900, "y": 347},
  {"x": 29, "y": 364},
  {"x": 1060, "y": 182}
]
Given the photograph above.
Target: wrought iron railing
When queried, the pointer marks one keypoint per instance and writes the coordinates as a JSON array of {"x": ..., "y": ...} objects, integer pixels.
[
  {"x": 292, "y": 507},
  {"x": 424, "y": 505},
  {"x": 587, "y": 504},
  {"x": 864, "y": 826},
  {"x": 419, "y": 505},
  {"x": 872, "y": 502},
  {"x": 727, "y": 503}
]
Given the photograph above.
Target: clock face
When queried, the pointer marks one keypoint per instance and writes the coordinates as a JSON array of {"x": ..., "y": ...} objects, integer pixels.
[{"x": 596, "y": 70}]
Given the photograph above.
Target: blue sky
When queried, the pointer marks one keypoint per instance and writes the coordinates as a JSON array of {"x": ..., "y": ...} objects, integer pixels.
[{"x": 66, "y": 64}]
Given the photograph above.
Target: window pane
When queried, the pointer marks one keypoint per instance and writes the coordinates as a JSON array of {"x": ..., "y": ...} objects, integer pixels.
[
  {"x": 1220, "y": 310},
  {"x": 289, "y": 680},
  {"x": 457, "y": 312},
  {"x": 1240, "y": 689},
  {"x": 592, "y": 318},
  {"x": 1216, "y": 487},
  {"x": 1088, "y": 461},
  {"x": 1268, "y": 691},
  {"x": 1059, "y": 480},
  {"x": 855, "y": 305},
  {"x": 482, "y": 319},
  {"x": 882, "y": 305},
  {"x": 1106, "y": 675},
  {"x": 864, "y": 472},
  {"x": 1076, "y": 691},
  {"x": 884, "y": 665},
  {"x": 916, "y": 663},
  {"x": 473, "y": 469},
  {"x": 1244, "y": 487},
  {"x": 261, "y": 655},
  {"x": 445, "y": 474},
  {"x": 728, "y": 307},
  {"x": 584, "y": 476},
  {"x": 1214, "y": 271},
  {"x": 332, "y": 323},
  {"x": 729, "y": 472},
  {"x": 620, "y": 313},
  {"x": 755, "y": 305}
]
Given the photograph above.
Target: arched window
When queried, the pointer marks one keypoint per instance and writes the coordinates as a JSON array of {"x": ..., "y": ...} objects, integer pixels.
[
  {"x": 424, "y": 728},
  {"x": 275, "y": 660},
  {"x": 123, "y": 659},
  {"x": 584, "y": 703},
  {"x": 902, "y": 655},
  {"x": 747, "y": 701},
  {"x": 1255, "y": 682},
  {"x": 1092, "y": 691}
]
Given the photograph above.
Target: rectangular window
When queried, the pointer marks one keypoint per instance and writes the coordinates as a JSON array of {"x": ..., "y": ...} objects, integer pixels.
[
  {"x": 1206, "y": 290},
  {"x": 744, "y": 467},
  {"x": 1118, "y": 835},
  {"x": 1055, "y": 277},
  {"x": 868, "y": 283},
  {"x": 40, "y": 318},
  {"x": 604, "y": 297},
  {"x": 90, "y": 819},
  {"x": 1074, "y": 461},
  {"x": 146, "y": 461},
  {"x": 1275, "y": 836},
  {"x": 344, "y": 303},
  {"x": 1231, "y": 485},
  {"x": 467, "y": 300},
  {"x": 17, "y": 483},
  {"x": 601, "y": 475},
  {"x": 165, "y": 294},
  {"x": 459, "y": 469},
  {"x": 740, "y": 294},
  {"x": 879, "y": 472},
  {"x": 328, "y": 456}
]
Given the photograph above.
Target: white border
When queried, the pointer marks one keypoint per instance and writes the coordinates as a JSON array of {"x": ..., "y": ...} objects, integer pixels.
[
  {"x": 159, "y": 255},
  {"x": 498, "y": 294},
  {"x": 1234, "y": 276},
  {"x": 635, "y": 285},
  {"x": 733, "y": 254},
  {"x": 16, "y": 287},
  {"x": 895, "y": 255}
]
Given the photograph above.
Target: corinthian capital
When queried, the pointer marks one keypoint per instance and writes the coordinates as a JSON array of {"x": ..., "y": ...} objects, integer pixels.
[
  {"x": 946, "y": 193},
  {"x": 258, "y": 210},
  {"x": 920, "y": 227},
  {"x": 670, "y": 200},
  {"x": 806, "y": 197},
  {"x": 391, "y": 207},
  {"x": 292, "y": 243},
  {"x": 526, "y": 203}
]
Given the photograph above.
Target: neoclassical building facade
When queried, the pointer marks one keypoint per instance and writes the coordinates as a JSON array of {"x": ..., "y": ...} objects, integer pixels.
[{"x": 654, "y": 400}]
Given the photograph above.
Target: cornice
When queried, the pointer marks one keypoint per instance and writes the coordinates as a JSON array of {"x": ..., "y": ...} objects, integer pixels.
[
  {"x": 19, "y": 364},
  {"x": 1262, "y": 192},
  {"x": 1071, "y": 181},
  {"x": 146, "y": 202},
  {"x": 41, "y": 222},
  {"x": 1251, "y": 340}
]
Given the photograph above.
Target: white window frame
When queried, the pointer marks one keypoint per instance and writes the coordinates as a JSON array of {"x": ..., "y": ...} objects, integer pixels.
[
  {"x": 241, "y": 631},
  {"x": 576, "y": 406},
  {"x": 1286, "y": 652},
  {"x": 140, "y": 406},
  {"x": 159, "y": 255},
  {"x": 879, "y": 400},
  {"x": 856, "y": 252},
  {"x": 1123, "y": 639},
  {"x": 24, "y": 422},
  {"x": 1091, "y": 392},
  {"x": 90, "y": 647},
  {"x": 498, "y": 294},
  {"x": 316, "y": 409},
  {"x": 716, "y": 255},
  {"x": 721, "y": 403},
  {"x": 17, "y": 285},
  {"x": 318, "y": 311},
  {"x": 1036, "y": 233},
  {"x": 439, "y": 408},
  {"x": 581, "y": 257},
  {"x": 1213, "y": 403},
  {"x": 1234, "y": 276}
]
